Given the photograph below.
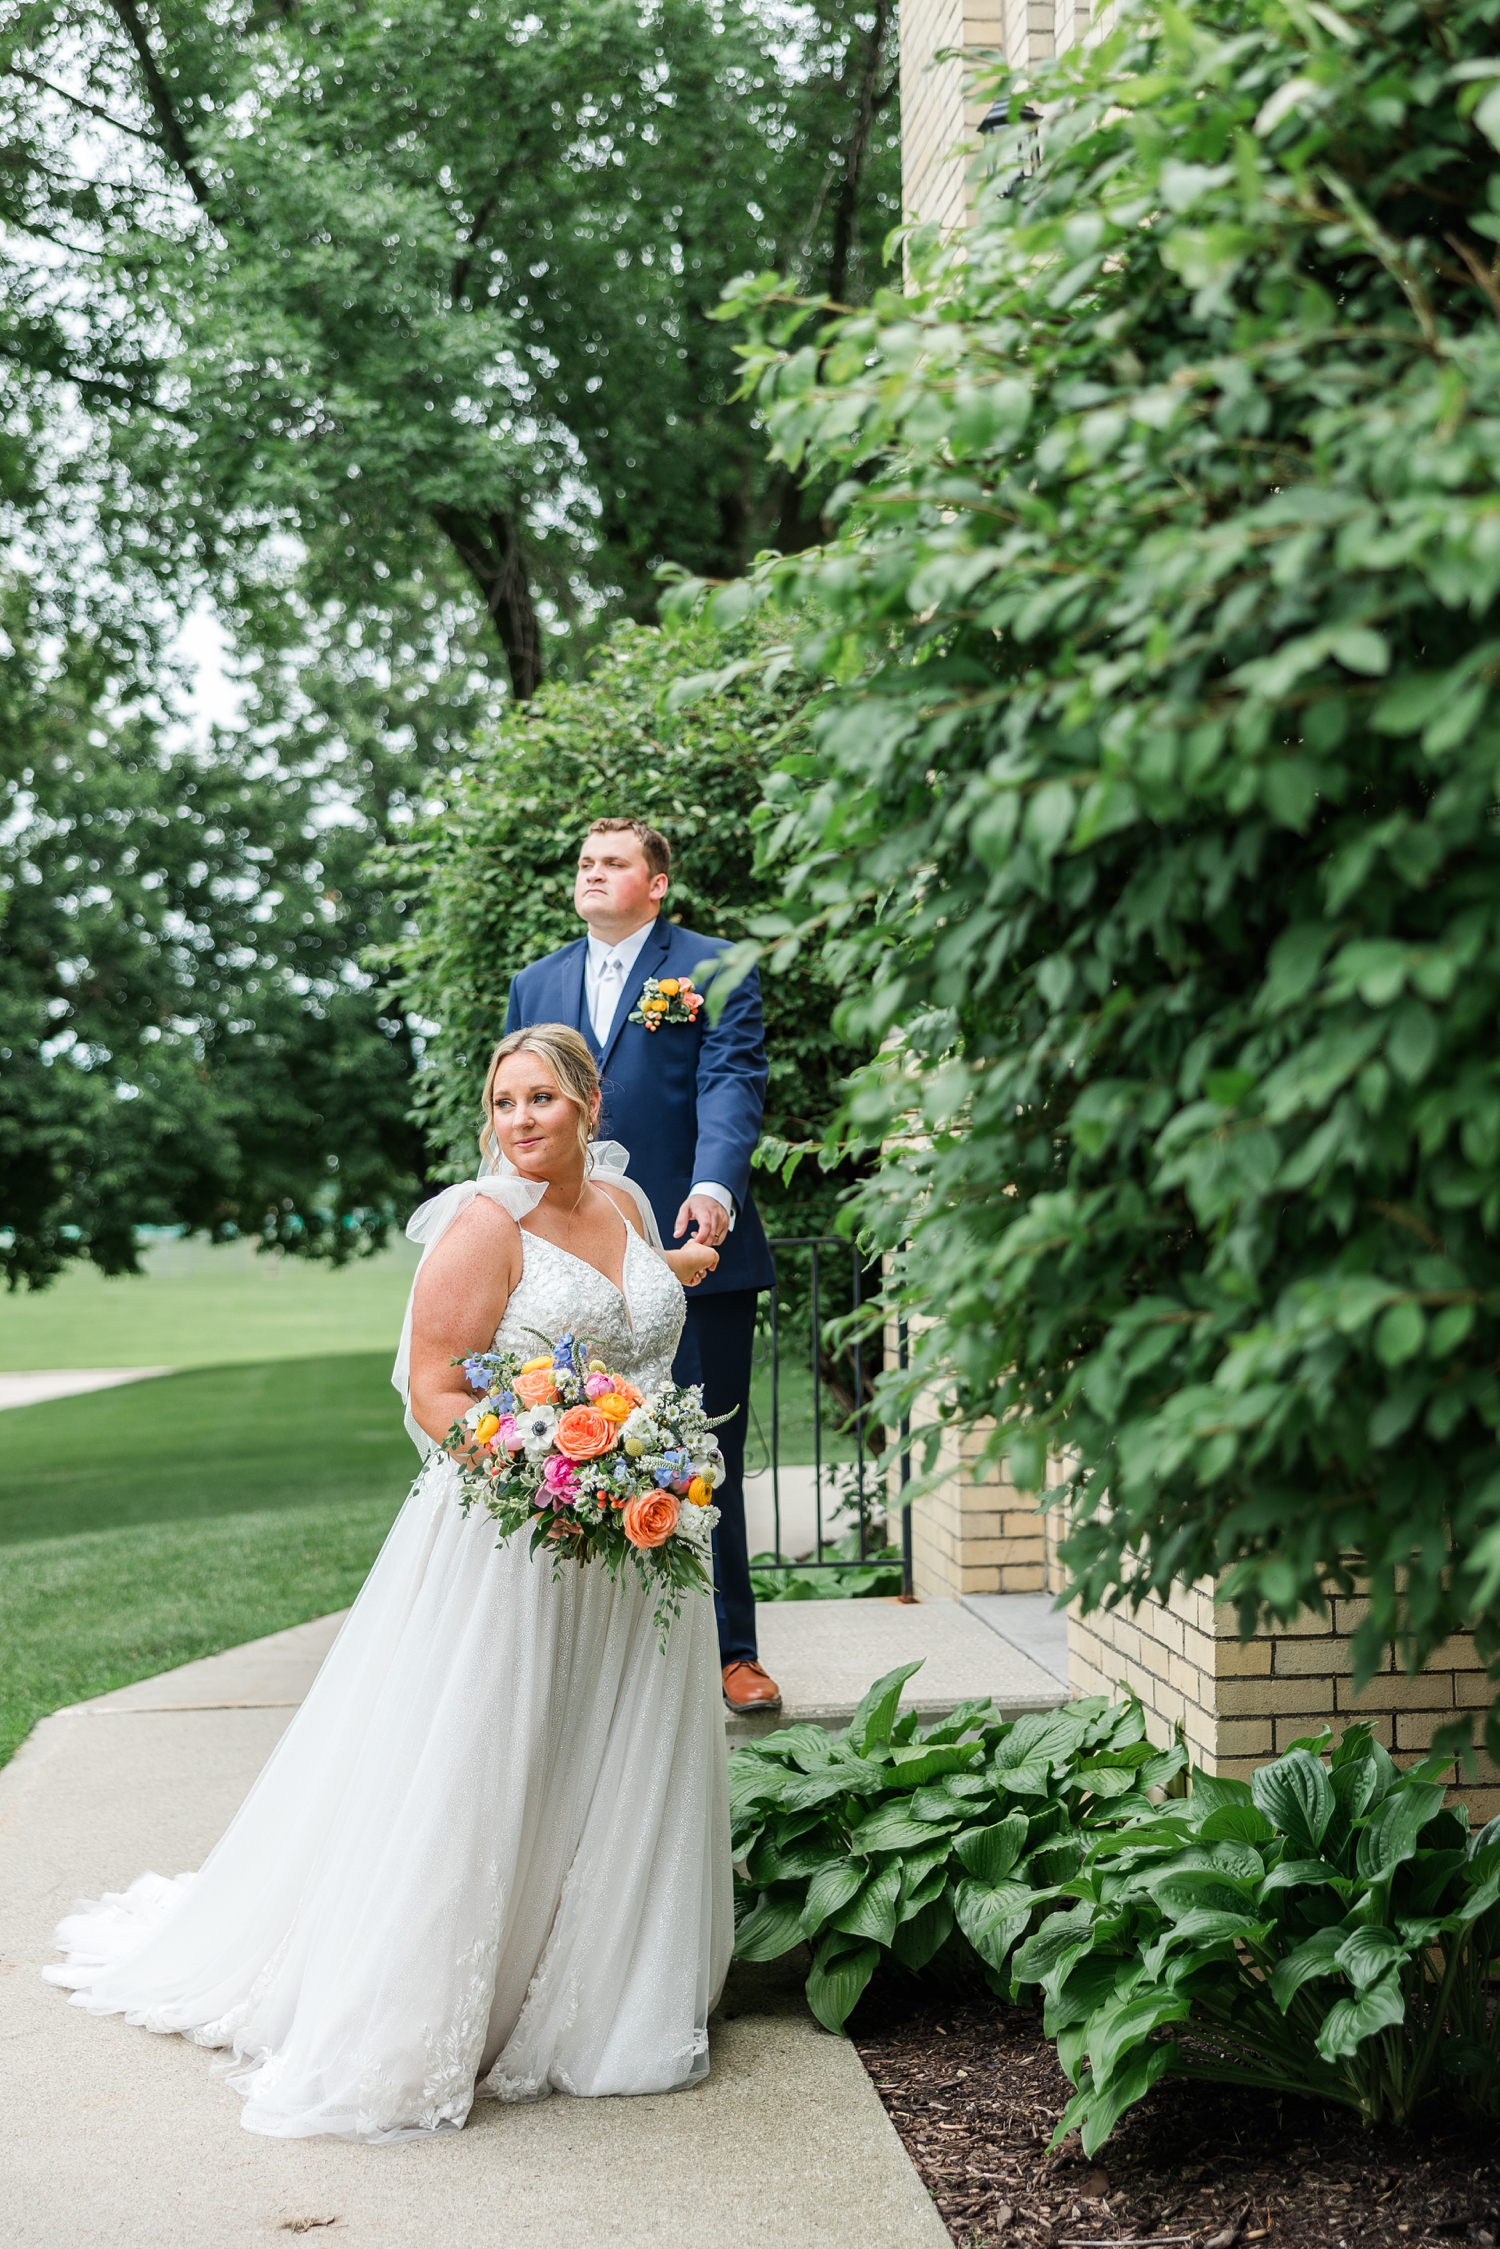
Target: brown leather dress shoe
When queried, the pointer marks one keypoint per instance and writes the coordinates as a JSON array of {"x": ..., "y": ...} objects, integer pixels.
[{"x": 748, "y": 1687}]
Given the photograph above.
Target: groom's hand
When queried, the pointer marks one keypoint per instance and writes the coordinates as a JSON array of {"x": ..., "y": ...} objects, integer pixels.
[{"x": 707, "y": 1218}]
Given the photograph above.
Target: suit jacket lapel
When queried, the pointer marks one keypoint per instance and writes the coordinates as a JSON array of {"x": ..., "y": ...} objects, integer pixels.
[{"x": 647, "y": 963}]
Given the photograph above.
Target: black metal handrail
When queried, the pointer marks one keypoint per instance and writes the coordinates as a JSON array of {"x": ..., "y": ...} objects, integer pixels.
[{"x": 815, "y": 1244}]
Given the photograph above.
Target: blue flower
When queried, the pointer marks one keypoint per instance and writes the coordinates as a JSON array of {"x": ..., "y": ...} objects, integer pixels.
[{"x": 563, "y": 1355}]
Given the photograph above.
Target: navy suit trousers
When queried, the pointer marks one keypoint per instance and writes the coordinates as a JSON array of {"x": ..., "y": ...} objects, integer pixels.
[{"x": 717, "y": 1348}]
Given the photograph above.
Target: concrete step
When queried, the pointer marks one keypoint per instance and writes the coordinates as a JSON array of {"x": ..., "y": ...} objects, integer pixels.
[
  {"x": 1029, "y": 1622},
  {"x": 824, "y": 1654}
]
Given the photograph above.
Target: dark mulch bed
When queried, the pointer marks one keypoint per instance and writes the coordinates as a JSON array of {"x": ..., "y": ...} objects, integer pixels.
[{"x": 975, "y": 2092}]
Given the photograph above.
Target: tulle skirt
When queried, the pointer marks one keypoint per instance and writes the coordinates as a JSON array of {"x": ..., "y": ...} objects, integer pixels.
[{"x": 490, "y": 1855}]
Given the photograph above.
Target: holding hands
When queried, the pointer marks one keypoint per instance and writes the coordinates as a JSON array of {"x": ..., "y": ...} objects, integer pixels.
[{"x": 692, "y": 1262}]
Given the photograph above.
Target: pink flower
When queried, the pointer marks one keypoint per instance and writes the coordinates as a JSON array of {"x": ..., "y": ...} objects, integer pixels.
[
  {"x": 599, "y": 1385},
  {"x": 507, "y": 1437},
  {"x": 560, "y": 1482}
]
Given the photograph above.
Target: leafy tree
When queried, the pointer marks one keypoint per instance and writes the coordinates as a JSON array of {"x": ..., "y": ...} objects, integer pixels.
[
  {"x": 1156, "y": 806},
  {"x": 183, "y": 1039},
  {"x": 433, "y": 284}
]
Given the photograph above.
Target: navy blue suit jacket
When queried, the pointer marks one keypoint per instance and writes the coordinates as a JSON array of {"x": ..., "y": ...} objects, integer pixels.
[{"x": 685, "y": 1100}]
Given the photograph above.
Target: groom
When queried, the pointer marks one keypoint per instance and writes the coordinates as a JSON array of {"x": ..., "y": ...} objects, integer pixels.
[{"x": 685, "y": 1099}]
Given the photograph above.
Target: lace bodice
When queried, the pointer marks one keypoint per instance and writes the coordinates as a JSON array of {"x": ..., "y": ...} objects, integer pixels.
[{"x": 637, "y": 1333}]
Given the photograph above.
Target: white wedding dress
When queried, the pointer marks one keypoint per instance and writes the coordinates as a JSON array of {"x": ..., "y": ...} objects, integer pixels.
[{"x": 490, "y": 1855}]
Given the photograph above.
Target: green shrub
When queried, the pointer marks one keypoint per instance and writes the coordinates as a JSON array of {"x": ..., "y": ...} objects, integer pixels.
[
  {"x": 1325, "y": 1931},
  {"x": 1155, "y": 801},
  {"x": 487, "y": 876},
  {"x": 938, "y": 1850},
  {"x": 875, "y": 1578}
]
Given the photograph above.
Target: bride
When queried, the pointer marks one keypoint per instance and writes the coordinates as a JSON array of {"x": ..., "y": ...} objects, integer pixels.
[{"x": 490, "y": 1855}]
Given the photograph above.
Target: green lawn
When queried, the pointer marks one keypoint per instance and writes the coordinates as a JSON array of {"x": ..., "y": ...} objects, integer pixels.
[
  {"x": 197, "y": 1305},
  {"x": 142, "y": 1527},
  {"x": 145, "y": 1526}
]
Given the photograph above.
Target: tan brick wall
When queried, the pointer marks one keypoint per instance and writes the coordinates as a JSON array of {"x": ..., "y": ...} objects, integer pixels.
[
  {"x": 1241, "y": 1703},
  {"x": 939, "y": 142},
  {"x": 976, "y": 1533}
]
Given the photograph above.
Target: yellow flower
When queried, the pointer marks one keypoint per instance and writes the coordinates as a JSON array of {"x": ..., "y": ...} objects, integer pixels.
[
  {"x": 532, "y": 1364},
  {"x": 699, "y": 1493},
  {"x": 488, "y": 1424},
  {"x": 668, "y": 985}
]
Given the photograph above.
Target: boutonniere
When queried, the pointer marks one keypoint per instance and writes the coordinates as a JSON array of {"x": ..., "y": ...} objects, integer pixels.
[{"x": 666, "y": 999}]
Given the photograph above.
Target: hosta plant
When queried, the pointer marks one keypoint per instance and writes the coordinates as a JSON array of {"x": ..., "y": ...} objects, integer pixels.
[
  {"x": 938, "y": 1850},
  {"x": 1327, "y": 1930}
]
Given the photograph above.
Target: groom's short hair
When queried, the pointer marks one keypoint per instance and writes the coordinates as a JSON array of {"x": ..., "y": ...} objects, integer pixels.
[{"x": 654, "y": 845}]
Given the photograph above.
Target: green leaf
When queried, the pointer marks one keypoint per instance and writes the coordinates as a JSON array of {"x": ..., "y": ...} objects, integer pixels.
[
  {"x": 925, "y": 1933},
  {"x": 1208, "y": 1793},
  {"x": 773, "y": 1928},
  {"x": 993, "y": 1918},
  {"x": 896, "y": 1828},
  {"x": 1104, "y": 1781},
  {"x": 914, "y": 1766},
  {"x": 837, "y": 1979},
  {"x": 1046, "y": 1956},
  {"x": 1298, "y": 1874},
  {"x": 1311, "y": 1960},
  {"x": 989, "y": 1853},
  {"x": 1117, "y": 2030},
  {"x": 1196, "y": 1890},
  {"x": 1130, "y": 2083},
  {"x": 1389, "y": 1837},
  {"x": 829, "y": 1891},
  {"x": 1361, "y": 649},
  {"x": 1350, "y": 2021},
  {"x": 872, "y": 1912},
  {"x": 875, "y": 1713},
  {"x": 1296, "y": 1796},
  {"x": 1368, "y": 1954},
  {"x": 1238, "y": 1823},
  {"x": 1032, "y": 1779}
]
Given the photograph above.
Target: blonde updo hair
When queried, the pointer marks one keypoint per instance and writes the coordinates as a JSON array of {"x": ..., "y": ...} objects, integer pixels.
[{"x": 567, "y": 1056}]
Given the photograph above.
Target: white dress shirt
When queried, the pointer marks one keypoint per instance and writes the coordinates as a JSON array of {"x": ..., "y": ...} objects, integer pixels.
[{"x": 607, "y": 972}]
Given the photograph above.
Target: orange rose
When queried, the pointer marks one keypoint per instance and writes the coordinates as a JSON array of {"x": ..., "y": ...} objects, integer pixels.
[
  {"x": 628, "y": 1390},
  {"x": 650, "y": 1518},
  {"x": 535, "y": 1386},
  {"x": 583, "y": 1433},
  {"x": 614, "y": 1407}
]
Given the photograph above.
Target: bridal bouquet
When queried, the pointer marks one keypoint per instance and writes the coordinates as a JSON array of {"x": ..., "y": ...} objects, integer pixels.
[{"x": 598, "y": 1471}]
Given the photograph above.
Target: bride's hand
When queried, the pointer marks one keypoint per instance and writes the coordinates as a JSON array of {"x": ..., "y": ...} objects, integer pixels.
[{"x": 692, "y": 1262}]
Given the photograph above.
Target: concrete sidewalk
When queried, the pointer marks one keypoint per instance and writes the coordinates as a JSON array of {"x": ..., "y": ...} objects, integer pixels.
[{"x": 114, "y": 2139}]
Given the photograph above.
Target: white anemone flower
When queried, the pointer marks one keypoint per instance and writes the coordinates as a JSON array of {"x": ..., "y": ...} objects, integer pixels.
[
  {"x": 536, "y": 1426},
  {"x": 709, "y": 1465}
]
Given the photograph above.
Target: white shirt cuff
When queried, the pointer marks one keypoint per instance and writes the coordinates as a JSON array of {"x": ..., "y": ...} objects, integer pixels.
[{"x": 716, "y": 1193}]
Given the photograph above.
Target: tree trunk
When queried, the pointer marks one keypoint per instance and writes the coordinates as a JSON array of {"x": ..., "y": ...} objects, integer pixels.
[
  {"x": 846, "y": 209},
  {"x": 491, "y": 552}
]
